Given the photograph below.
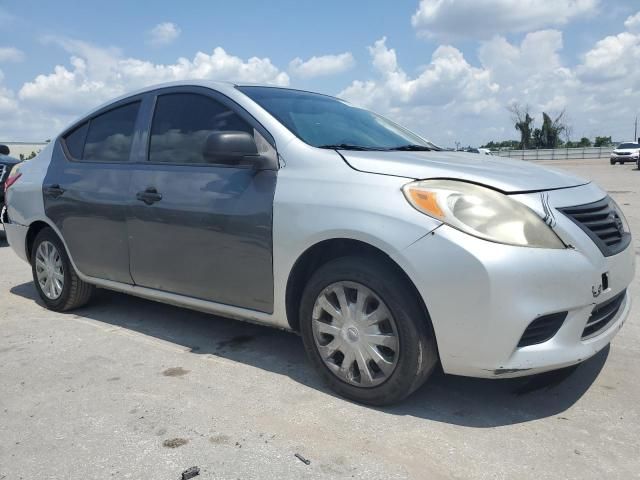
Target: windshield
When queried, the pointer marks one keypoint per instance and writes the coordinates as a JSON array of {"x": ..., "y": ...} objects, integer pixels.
[
  {"x": 328, "y": 122},
  {"x": 628, "y": 145}
]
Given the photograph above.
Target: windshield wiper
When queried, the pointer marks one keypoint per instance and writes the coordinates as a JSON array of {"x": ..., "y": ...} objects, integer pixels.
[
  {"x": 412, "y": 148},
  {"x": 347, "y": 146}
]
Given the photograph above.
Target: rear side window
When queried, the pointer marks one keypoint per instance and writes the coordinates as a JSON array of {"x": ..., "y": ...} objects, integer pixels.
[
  {"x": 183, "y": 121},
  {"x": 110, "y": 135},
  {"x": 75, "y": 140}
]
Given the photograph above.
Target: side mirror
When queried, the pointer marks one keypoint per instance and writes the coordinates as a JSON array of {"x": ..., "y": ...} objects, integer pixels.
[
  {"x": 231, "y": 148},
  {"x": 4, "y": 150}
]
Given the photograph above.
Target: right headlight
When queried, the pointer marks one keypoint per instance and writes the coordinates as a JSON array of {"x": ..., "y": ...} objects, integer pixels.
[{"x": 481, "y": 212}]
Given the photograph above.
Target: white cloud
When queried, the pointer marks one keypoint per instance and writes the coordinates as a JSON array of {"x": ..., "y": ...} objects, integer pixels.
[
  {"x": 94, "y": 75},
  {"x": 450, "y": 99},
  {"x": 447, "y": 79},
  {"x": 164, "y": 34},
  {"x": 11, "y": 54},
  {"x": 615, "y": 56},
  {"x": 633, "y": 22},
  {"x": 8, "y": 102},
  {"x": 485, "y": 18},
  {"x": 324, "y": 65}
]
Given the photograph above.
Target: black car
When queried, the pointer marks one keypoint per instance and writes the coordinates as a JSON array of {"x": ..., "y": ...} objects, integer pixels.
[{"x": 6, "y": 164}]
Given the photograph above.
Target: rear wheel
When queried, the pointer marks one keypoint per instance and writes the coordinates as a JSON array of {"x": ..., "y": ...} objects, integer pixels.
[
  {"x": 56, "y": 281},
  {"x": 365, "y": 331}
]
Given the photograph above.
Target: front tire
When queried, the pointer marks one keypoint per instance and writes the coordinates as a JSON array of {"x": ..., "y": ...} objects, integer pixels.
[
  {"x": 365, "y": 331},
  {"x": 56, "y": 281}
]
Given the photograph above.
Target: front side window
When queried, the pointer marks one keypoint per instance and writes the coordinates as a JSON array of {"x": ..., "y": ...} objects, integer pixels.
[
  {"x": 110, "y": 135},
  {"x": 323, "y": 121},
  {"x": 182, "y": 122}
]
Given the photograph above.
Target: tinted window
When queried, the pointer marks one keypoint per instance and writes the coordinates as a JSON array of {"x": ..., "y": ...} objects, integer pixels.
[
  {"x": 629, "y": 145},
  {"x": 75, "y": 140},
  {"x": 111, "y": 134},
  {"x": 183, "y": 121},
  {"x": 320, "y": 120}
]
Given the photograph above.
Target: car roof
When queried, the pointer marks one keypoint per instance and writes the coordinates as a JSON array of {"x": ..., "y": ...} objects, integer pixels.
[
  {"x": 219, "y": 85},
  {"x": 214, "y": 84}
]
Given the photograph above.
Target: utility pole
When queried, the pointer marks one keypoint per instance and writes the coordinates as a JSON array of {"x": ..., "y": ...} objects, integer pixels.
[{"x": 635, "y": 131}]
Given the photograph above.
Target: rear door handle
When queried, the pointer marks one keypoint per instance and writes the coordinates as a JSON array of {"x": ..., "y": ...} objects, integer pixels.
[
  {"x": 54, "y": 190},
  {"x": 149, "y": 196}
]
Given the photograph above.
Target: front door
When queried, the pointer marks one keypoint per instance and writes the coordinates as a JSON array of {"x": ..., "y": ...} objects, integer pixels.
[{"x": 198, "y": 228}]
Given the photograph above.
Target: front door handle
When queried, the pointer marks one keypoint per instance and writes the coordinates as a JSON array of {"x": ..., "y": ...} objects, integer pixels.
[
  {"x": 54, "y": 190},
  {"x": 149, "y": 196}
]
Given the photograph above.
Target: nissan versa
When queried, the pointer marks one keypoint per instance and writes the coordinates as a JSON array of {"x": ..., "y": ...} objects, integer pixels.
[{"x": 301, "y": 211}]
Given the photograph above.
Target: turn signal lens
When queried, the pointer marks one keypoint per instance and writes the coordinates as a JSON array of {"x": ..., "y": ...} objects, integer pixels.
[{"x": 427, "y": 201}]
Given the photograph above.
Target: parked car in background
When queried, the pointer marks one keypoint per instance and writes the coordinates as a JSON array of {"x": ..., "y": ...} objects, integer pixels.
[
  {"x": 626, "y": 152},
  {"x": 6, "y": 164},
  {"x": 304, "y": 212},
  {"x": 481, "y": 151}
]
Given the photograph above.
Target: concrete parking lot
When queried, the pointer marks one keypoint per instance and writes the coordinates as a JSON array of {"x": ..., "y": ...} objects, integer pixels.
[{"x": 127, "y": 388}]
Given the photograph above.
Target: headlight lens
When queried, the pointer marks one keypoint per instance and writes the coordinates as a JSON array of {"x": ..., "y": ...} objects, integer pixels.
[{"x": 481, "y": 212}]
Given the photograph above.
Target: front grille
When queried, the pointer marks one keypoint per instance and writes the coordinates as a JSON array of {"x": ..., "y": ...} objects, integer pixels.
[
  {"x": 603, "y": 314},
  {"x": 622, "y": 153},
  {"x": 542, "y": 329},
  {"x": 602, "y": 224}
]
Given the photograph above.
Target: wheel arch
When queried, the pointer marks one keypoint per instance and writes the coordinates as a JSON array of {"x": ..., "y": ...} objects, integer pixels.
[
  {"x": 34, "y": 228},
  {"x": 324, "y": 251}
]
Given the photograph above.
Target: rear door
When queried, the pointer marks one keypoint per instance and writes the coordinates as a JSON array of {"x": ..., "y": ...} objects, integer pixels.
[
  {"x": 86, "y": 190},
  {"x": 198, "y": 228}
]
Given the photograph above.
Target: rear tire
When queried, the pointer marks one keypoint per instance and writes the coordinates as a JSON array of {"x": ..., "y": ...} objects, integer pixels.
[
  {"x": 413, "y": 352},
  {"x": 55, "y": 279}
]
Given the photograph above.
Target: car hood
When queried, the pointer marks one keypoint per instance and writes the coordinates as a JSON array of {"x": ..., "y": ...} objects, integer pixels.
[
  {"x": 504, "y": 174},
  {"x": 626, "y": 150}
]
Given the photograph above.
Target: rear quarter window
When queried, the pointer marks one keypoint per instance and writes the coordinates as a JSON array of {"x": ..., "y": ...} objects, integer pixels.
[{"x": 75, "y": 140}]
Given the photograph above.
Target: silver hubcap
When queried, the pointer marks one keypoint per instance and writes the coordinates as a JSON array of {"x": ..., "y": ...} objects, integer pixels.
[
  {"x": 49, "y": 270},
  {"x": 355, "y": 334}
]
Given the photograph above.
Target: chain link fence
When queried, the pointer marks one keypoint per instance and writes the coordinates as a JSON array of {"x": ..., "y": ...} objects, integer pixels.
[{"x": 556, "y": 153}]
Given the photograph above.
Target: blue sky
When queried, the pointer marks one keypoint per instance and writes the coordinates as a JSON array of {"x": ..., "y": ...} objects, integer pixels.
[{"x": 446, "y": 68}]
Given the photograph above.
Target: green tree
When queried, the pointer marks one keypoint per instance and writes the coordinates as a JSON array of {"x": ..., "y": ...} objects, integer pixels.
[
  {"x": 584, "y": 142},
  {"x": 602, "y": 142},
  {"x": 551, "y": 130},
  {"x": 494, "y": 145},
  {"x": 549, "y": 135},
  {"x": 522, "y": 122}
]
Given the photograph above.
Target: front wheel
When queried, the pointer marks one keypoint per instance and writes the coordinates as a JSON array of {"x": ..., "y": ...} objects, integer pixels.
[
  {"x": 365, "y": 331},
  {"x": 56, "y": 281}
]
